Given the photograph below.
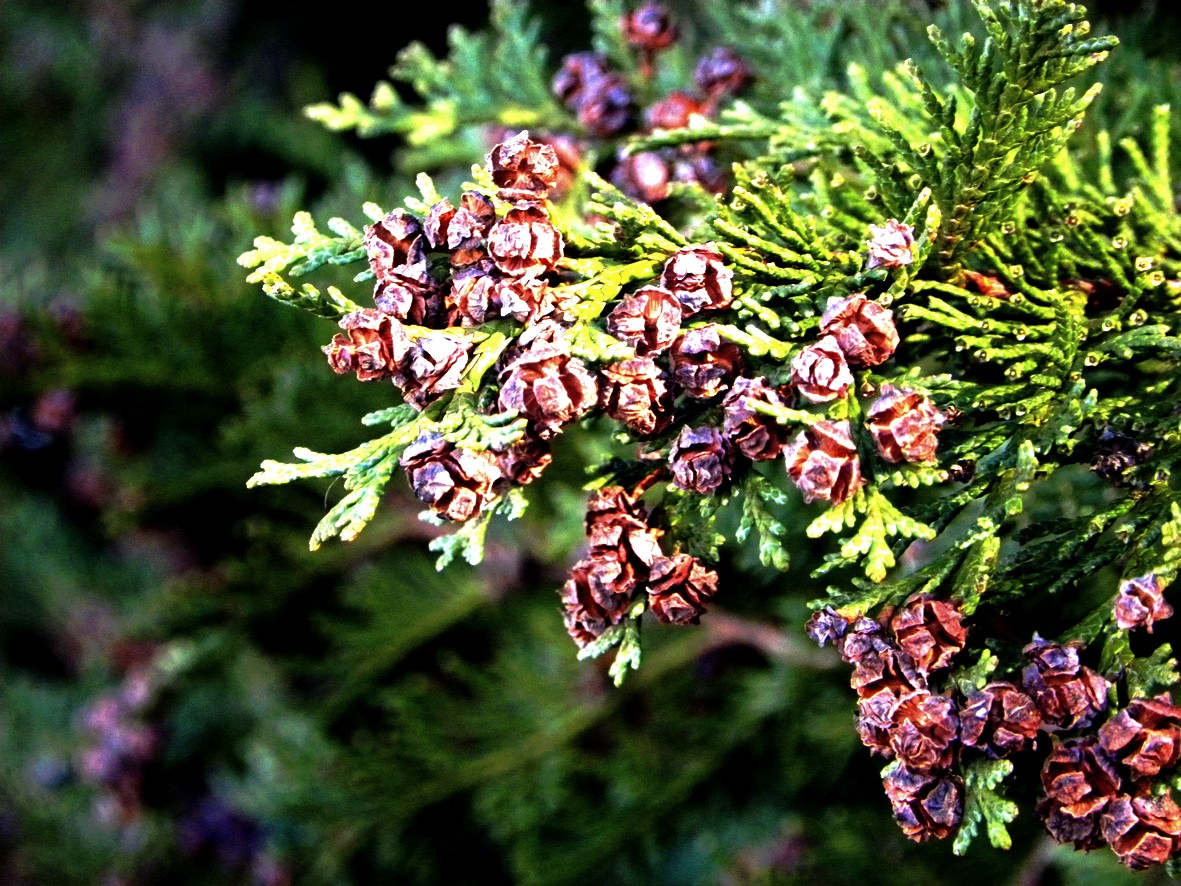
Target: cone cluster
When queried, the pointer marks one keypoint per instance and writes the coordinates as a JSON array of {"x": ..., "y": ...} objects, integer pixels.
[{"x": 1104, "y": 784}]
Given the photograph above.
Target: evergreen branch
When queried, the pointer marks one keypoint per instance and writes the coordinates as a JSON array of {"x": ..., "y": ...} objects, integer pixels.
[
  {"x": 309, "y": 250},
  {"x": 984, "y": 805},
  {"x": 488, "y": 78}
]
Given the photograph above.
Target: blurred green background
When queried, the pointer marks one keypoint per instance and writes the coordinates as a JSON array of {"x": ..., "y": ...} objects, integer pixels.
[{"x": 187, "y": 695}]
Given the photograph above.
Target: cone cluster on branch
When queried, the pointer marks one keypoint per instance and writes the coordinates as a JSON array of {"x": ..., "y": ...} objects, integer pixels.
[
  {"x": 500, "y": 264},
  {"x": 496, "y": 259},
  {"x": 609, "y": 105},
  {"x": 1103, "y": 783},
  {"x": 624, "y": 561}
]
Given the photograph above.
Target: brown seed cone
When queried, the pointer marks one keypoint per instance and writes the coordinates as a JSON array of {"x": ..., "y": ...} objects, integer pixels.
[
  {"x": 864, "y": 635},
  {"x": 703, "y": 362},
  {"x": 925, "y": 730},
  {"x": 525, "y": 242},
  {"x": 455, "y": 483},
  {"x": 1145, "y": 736},
  {"x": 699, "y": 278},
  {"x": 875, "y": 720},
  {"x": 434, "y": 364},
  {"x": 610, "y": 577},
  {"x": 890, "y": 245},
  {"x": 568, "y": 150},
  {"x": 826, "y": 625},
  {"x": 649, "y": 28},
  {"x": 819, "y": 372},
  {"x": 679, "y": 587},
  {"x": 700, "y": 460},
  {"x": 904, "y": 425},
  {"x": 1083, "y": 832},
  {"x": 545, "y": 333},
  {"x": 863, "y": 328},
  {"x": 617, "y": 522},
  {"x": 612, "y": 506},
  {"x": 756, "y": 435},
  {"x": 577, "y": 72},
  {"x": 999, "y": 719},
  {"x": 634, "y": 392},
  {"x": 437, "y": 222},
  {"x": 1140, "y": 603},
  {"x": 417, "y": 305},
  {"x": 605, "y": 106},
  {"x": 523, "y": 169},
  {"x": 474, "y": 295},
  {"x": 1142, "y": 830},
  {"x": 1053, "y": 657},
  {"x": 721, "y": 72},
  {"x": 648, "y": 319},
  {"x": 389, "y": 242},
  {"x": 1118, "y": 453},
  {"x": 400, "y": 285},
  {"x": 373, "y": 345},
  {"x": 823, "y": 464},
  {"x": 549, "y": 387},
  {"x": 671, "y": 112},
  {"x": 1079, "y": 778},
  {"x": 1068, "y": 694},
  {"x": 926, "y": 804},
  {"x": 643, "y": 176},
  {"x": 525, "y": 460},
  {"x": 930, "y": 631},
  {"x": 469, "y": 226},
  {"x": 701, "y": 168},
  {"x": 885, "y": 669},
  {"x": 589, "y": 583},
  {"x": 480, "y": 293}
]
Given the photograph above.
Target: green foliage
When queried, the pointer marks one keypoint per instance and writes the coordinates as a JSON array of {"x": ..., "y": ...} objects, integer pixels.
[
  {"x": 985, "y": 806},
  {"x": 757, "y": 498},
  {"x": 493, "y": 78}
]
